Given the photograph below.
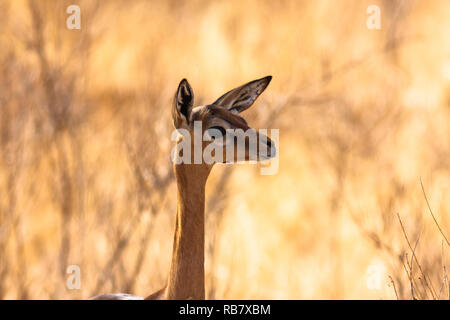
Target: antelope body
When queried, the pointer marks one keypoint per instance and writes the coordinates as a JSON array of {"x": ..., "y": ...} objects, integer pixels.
[{"x": 187, "y": 275}]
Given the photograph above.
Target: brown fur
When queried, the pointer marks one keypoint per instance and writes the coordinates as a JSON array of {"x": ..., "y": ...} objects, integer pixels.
[{"x": 187, "y": 271}]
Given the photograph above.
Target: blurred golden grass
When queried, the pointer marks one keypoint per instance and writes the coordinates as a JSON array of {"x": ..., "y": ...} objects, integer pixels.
[{"x": 85, "y": 176}]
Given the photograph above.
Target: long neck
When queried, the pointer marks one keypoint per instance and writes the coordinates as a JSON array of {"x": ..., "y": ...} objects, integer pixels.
[{"x": 187, "y": 272}]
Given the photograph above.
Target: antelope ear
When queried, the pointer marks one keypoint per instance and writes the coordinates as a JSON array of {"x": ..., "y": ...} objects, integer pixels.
[
  {"x": 241, "y": 98},
  {"x": 182, "y": 104}
]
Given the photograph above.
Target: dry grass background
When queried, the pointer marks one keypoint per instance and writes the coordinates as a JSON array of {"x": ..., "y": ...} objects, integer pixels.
[{"x": 364, "y": 116}]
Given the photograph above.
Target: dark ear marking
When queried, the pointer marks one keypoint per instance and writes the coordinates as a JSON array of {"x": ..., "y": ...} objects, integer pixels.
[
  {"x": 183, "y": 102},
  {"x": 185, "y": 97},
  {"x": 241, "y": 98}
]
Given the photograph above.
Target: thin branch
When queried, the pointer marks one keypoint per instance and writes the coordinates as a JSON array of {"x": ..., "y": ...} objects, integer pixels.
[
  {"x": 395, "y": 289},
  {"x": 429, "y": 285},
  {"x": 443, "y": 284},
  {"x": 431, "y": 212},
  {"x": 412, "y": 263}
]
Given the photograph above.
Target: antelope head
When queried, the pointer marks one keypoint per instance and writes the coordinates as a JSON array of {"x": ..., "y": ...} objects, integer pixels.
[{"x": 216, "y": 133}]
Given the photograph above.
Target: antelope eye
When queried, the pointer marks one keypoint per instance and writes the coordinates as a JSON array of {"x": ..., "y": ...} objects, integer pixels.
[{"x": 221, "y": 129}]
